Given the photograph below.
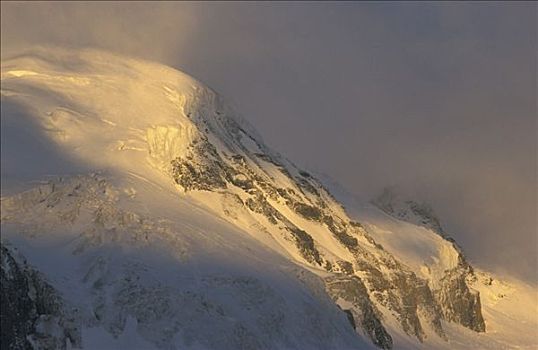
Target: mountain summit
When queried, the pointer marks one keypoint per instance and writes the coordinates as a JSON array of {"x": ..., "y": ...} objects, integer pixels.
[{"x": 139, "y": 211}]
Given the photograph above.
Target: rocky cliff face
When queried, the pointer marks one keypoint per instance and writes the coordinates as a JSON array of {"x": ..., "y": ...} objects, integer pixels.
[
  {"x": 32, "y": 313},
  {"x": 350, "y": 293},
  {"x": 460, "y": 304},
  {"x": 452, "y": 292}
]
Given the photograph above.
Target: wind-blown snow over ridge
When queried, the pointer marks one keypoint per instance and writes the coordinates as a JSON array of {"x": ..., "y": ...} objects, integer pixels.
[{"x": 160, "y": 213}]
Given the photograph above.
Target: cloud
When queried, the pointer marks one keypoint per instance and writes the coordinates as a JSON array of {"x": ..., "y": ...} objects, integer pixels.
[
  {"x": 152, "y": 31},
  {"x": 439, "y": 98}
]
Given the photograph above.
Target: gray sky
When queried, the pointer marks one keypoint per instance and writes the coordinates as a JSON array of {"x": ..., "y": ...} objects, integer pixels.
[{"x": 438, "y": 98}]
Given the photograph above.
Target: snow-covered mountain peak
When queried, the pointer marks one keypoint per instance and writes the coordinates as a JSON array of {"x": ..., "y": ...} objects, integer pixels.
[
  {"x": 158, "y": 212},
  {"x": 393, "y": 202},
  {"x": 96, "y": 102}
]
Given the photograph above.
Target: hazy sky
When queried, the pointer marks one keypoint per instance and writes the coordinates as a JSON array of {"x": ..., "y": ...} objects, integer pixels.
[{"x": 439, "y": 98}]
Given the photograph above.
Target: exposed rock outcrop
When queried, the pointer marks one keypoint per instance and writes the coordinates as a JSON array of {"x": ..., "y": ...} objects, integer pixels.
[
  {"x": 351, "y": 291},
  {"x": 459, "y": 303},
  {"x": 32, "y": 315},
  {"x": 453, "y": 295}
]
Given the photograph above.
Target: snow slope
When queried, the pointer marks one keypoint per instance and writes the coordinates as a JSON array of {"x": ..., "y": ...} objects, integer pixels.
[{"x": 161, "y": 219}]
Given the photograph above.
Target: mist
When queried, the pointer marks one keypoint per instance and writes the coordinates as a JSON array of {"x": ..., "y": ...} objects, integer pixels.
[{"x": 436, "y": 98}]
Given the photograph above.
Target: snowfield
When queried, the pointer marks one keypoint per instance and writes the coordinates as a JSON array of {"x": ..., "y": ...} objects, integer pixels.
[{"x": 140, "y": 212}]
